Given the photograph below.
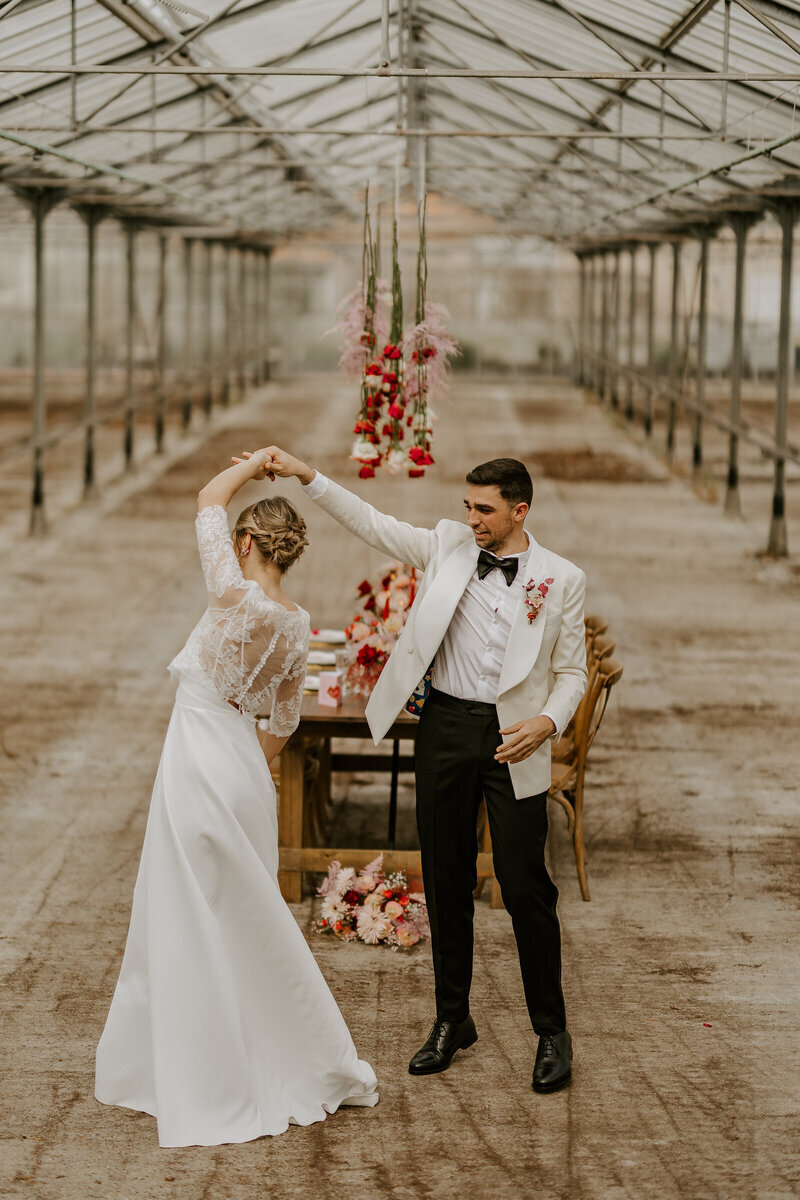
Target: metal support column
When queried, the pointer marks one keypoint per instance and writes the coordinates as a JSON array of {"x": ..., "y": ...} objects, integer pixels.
[
  {"x": 241, "y": 308},
  {"x": 258, "y": 318},
  {"x": 92, "y": 216},
  {"x": 603, "y": 379},
  {"x": 777, "y": 544},
  {"x": 649, "y": 402},
  {"x": 227, "y": 352},
  {"x": 188, "y": 357},
  {"x": 40, "y": 202},
  {"x": 674, "y": 350},
  {"x": 266, "y": 324},
  {"x": 130, "y": 325},
  {"x": 615, "y": 354},
  {"x": 208, "y": 330},
  {"x": 592, "y": 323},
  {"x": 579, "y": 359},
  {"x": 700, "y": 385},
  {"x": 161, "y": 344},
  {"x": 740, "y": 224},
  {"x": 631, "y": 335}
]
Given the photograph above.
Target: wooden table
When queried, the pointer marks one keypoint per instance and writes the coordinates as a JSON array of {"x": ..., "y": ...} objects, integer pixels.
[{"x": 302, "y": 789}]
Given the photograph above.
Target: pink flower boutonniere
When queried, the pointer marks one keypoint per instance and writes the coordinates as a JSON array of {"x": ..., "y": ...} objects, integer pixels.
[{"x": 535, "y": 594}]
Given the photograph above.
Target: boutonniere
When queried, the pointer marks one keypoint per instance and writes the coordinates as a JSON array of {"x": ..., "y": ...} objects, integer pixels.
[{"x": 535, "y": 594}]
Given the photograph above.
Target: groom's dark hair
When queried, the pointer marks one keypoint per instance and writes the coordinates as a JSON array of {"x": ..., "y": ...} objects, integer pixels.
[{"x": 509, "y": 475}]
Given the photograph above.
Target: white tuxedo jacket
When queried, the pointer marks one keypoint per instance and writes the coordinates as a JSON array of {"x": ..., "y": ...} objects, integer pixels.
[{"x": 545, "y": 660}]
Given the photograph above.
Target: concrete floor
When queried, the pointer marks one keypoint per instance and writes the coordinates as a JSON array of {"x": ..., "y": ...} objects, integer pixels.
[{"x": 680, "y": 975}]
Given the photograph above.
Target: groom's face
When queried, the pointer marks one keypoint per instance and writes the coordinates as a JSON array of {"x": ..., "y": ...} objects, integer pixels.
[{"x": 491, "y": 518}]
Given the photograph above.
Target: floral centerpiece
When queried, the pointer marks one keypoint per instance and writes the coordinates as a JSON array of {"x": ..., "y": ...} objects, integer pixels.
[
  {"x": 374, "y": 630},
  {"x": 372, "y": 907}
]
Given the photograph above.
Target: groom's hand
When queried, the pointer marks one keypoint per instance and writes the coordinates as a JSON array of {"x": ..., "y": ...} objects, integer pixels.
[
  {"x": 279, "y": 463},
  {"x": 523, "y": 739}
]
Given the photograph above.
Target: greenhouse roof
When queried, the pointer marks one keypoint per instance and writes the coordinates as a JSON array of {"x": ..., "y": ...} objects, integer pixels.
[{"x": 578, "y": 120}]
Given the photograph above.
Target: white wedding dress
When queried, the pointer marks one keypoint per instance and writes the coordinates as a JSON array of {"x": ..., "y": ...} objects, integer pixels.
[{"x": 222, "y": 1026}]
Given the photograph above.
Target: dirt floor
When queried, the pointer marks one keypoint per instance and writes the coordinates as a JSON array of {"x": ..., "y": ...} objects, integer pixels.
[{"x": 680, "y": 975}]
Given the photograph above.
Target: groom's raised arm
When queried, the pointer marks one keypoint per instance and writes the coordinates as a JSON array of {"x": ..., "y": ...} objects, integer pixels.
[{"x": 399, "y": 539}]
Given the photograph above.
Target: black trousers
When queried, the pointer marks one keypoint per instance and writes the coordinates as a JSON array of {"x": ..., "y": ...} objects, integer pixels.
[{"x": 455, "y": 768}]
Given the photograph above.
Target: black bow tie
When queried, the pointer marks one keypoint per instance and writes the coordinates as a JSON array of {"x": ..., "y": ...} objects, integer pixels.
[{"x": 487, "y": 562}]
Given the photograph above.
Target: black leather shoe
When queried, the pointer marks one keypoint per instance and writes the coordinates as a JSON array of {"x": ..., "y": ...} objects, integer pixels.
[
  {"x": 553, "y": 1067},
  {"x": 443, "y": 1040}
]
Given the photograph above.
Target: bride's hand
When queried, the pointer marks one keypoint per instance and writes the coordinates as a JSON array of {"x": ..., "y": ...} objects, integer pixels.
[
  {"x": 278, "y": 462},
  {"x": 261, "y": 461}
]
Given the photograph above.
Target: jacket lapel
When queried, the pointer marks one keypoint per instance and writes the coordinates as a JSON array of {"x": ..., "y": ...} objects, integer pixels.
[
  {"x": 437, "y": 606},
  {"x": 525, "y": 637}
]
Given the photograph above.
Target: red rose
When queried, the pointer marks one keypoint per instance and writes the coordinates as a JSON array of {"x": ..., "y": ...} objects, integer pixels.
[
  {"x": 415, "y": 472},
  {"x": 394, "y": 410},
  {"x": 367, "y": 656},
  {"x": 416, "y": 454},
  {"x": 366, "y": 472},
  {"x": 374, "y": 369},
  {"x": 425, "y": 461},
  {"x": 389, "y": 377},
  {"x": 351, "y": 897},
  {"x": 323, "y": 922},
  {"x": 429, "y": 352},
  {"x": 409, "y": 421},
  {"x": 388, "y": 893},
  {"x": 389, "y": 350},
  {"x": 396, "y": 353},
  {"x": 402, "y": 900},
  {"x": 415, "y": 357},
  {"x": 364, "y": 588}
]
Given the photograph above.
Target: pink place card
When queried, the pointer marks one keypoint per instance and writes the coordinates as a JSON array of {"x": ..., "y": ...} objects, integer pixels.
[{"x": 330, "y": 688}]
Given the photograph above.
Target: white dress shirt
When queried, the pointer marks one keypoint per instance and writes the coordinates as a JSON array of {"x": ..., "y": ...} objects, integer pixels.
[{"x": 470, "y": 658}]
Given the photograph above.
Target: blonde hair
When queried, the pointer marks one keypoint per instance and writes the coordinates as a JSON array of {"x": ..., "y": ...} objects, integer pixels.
[{"x": 277, "y": 529}]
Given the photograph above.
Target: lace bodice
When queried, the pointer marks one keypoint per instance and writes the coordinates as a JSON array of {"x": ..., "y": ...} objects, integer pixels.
[{"x": 250, "y": 648}]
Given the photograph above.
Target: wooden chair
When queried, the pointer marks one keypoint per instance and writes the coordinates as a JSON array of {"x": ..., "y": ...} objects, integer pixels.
[{"x": 567, "y": 786}]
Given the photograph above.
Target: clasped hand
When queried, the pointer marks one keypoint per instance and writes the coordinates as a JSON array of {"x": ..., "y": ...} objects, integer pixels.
[
  {"x": 524, "y": 739},
  {"x": 276, "y": 462}
]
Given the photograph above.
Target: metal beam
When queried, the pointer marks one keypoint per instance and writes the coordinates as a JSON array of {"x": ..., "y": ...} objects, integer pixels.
[{"x": 740, "y": 223}]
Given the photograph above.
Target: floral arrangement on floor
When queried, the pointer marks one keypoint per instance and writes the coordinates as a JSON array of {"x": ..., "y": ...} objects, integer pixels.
[
  {"x": 397, "y": 382},
  {"x": 374, "y": 630},
  {"x": 369, "y": 906}
]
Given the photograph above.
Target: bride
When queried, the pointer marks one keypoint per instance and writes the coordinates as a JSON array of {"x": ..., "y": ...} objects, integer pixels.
[{"x": 222, "y": 1026}]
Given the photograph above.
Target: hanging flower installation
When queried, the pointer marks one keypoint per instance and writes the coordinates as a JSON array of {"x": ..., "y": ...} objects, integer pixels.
[
  {"x": 365, "y": 326},
  {"x": 427, "y": 347},
  {"x": 397, "y": 382}
]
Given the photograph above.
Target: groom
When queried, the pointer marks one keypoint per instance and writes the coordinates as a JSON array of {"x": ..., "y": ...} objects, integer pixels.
[{"x": 501, "y": 619}]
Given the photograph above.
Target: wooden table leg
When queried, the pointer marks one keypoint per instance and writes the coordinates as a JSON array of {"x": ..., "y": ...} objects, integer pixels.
[{"x": 290, "y": 812}]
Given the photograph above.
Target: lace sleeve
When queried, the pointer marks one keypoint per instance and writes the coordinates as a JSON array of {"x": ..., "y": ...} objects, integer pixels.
[
  {"x": 221, "y": 570},
  {"x": 285, "y": 715}
]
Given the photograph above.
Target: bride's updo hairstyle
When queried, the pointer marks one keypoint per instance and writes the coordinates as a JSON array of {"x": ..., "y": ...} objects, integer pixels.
[{"x": 277, "y": 529}]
